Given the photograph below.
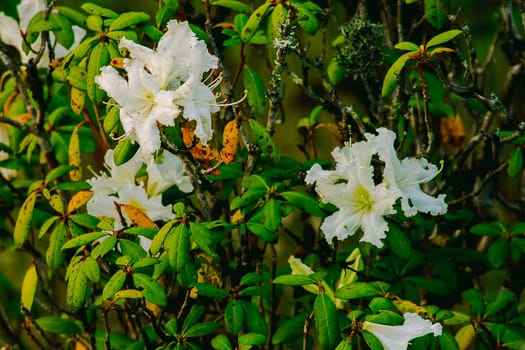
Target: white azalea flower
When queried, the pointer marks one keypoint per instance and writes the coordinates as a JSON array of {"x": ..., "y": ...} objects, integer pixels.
[
  {"x": 136, "y": 196},
  {"x": 161, "y": 83},
  {"x": 351, "y": 188},
  {"x": 178, "y": 56},
  {"x": 166, "y": 173},
  {"x": 118, "y": 174},
  {"x": 198, "y": 102},
  {"x": 120, "y": 188},
  {"x": 142, "y": 104},
  {"x": 398, "y": 337},
  {"x": 11, "y": 31},
  {"x": 407, "y": 175}
]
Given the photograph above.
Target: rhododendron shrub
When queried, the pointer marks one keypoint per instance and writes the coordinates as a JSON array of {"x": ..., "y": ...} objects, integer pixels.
[{"x": 261, "y": 174}]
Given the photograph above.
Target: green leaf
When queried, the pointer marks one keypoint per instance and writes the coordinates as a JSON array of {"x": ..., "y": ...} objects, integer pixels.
[
  {"x": 153, "y": 291},
  {"x": 131, "y": 249},
  {"x": 94, "y": 9},
  {"x": 124, "y": 151},
  {"x": 128, "y": 19},
  {"x": 250, "y": 278},
  {"x": 94, "y": 22},
  {"x": 58, "y": 325},
  {"x": 325, "y": 316},
  {"x": 443, "y": 37},
  {"x": 399, "y": 242},
  {"x": 29, "y": 285},
  {"x": 221, "y": 342},
  {"x": 390, "y": 82},
  {"x": 290, "y": 329},
  {"x": 515, "y": 162},
  {"x": 234, "y": 317},
  {"x": 504, "y": 299},
  {"x": 256, "y": 90},
  {"x": 254, "y": 321},
  {"x": 260, "y": 231},
  {"x": 104, "y": 247},
  {"x": 91, "y": 269},
  {"x": 83, "y": 240},
  {"x": 304, "y": 202},
  {"x": 436, "y": 12},
  {"x": 77, "y": 287},
  {"x": 294, "y": 280},
  {"x": 272, "y": 214},
  {"x": 475, "y": 298},
  {"x": 203, "y": 237},
  {"x": 407, "y": 46},
  {"x": 65, "y": 35},
  {"x": 59, "y": 171},
  {"x": 498, "y": 253},
  {"x": 254, "y": 21},
  {"x": 494, "y": 228},
  {"x": 171, "y": 326},
  {"x": 72, "y": 15},
  {"x": 178, "y": 246},
  {"x": 252, "y": 339},
  {"x": 207, "y": 290},
  {"x": 158, "y": 240},
  {"x": 202, "y": 329},
  {"x": 115, "y": 283},
  {"x": 196, "y": 312},
  {"x": 264, "y": 140},
  {"x": 234, "y": 5},
  {"x": 357, "y": 290},
  {"x": 306, "y": 18},
  {"x": 98, "y": 58},
  {"x": 23, "y": 221},
  {"x": 54, "y": 254}
]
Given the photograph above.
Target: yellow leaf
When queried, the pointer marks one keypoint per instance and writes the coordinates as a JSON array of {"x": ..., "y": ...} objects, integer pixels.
[
  {"x": 230, "y": 141},
  {"x": 465, "y": 336},
  {"x": 452, "y": 132},
  {"x": 137, "y": 216},
  {"x": 29, "y": 287},
  {"x": 237, "y": 217},
  {"x": 79, "y": 199},
  {"x": 77, "y": 101},
  {"x": 74, "y": 155}
]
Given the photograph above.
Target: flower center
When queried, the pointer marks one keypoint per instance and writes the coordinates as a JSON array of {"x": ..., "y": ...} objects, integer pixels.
[{"x": 362, "y": 198}]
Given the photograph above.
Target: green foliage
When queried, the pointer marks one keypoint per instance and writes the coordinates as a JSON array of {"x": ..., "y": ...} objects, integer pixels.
[{"x": 232, "y": 254}]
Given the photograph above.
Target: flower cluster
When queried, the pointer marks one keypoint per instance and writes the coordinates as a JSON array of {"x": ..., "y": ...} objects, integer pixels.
[
  {"x": 362, "y": 203},
  {"x": 120, "y": 188},
  {"x": 161, "y": 85},
  {"x": 398, "y": 337},
  {"x": 11, "y": 33}
]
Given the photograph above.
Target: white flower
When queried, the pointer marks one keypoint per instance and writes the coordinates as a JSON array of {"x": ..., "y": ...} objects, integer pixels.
[
  {"x": 120, "y": 188},
  {"x": 142, "y": 104},
  {"x": 161, "y": 83},
  {"x": 118, "y": 174},
  {"x": 398, "y": 337},
  {"x": 178, "y": 56},
  {"x": 11, "y": 31},
  {"x": 406, "y": 176},
  {"x": 362, "y": 204},
  {"x": 166, "y": 173},
  {"x": 4, "y": 138}
]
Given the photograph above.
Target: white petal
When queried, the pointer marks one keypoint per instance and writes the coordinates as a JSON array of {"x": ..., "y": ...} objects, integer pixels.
[
  {"x": 398, "y": 337},
  {"x": 341, "y": 224},
  {"x": 170, "y": 171}
]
